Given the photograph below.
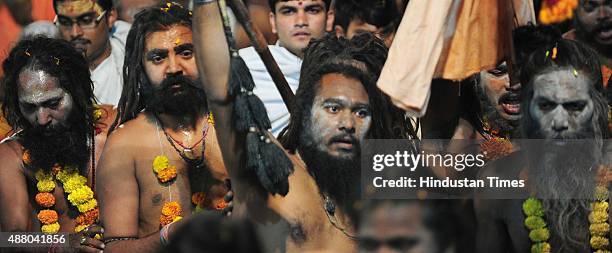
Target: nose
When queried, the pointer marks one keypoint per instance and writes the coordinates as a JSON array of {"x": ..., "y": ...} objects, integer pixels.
[
  {"x": 75, "y": 30},
  {"x": 559, "y": 123},
  {"x": 174, "y": 66},
  {"x": 302, "y": 20},
  {"x": 513, "y": 87},
  {"x": 347, "y": 122},
  {"x": 43, "y": 117},
  {"x": 605, "y": 12}
]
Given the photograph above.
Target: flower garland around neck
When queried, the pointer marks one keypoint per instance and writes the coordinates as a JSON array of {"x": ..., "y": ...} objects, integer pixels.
[
  {"x": 495, "y": 145},
  {"x": 599, "y": 228},
  {"x": 79, "y": 193},
  {"x": 166, "y": 173}
]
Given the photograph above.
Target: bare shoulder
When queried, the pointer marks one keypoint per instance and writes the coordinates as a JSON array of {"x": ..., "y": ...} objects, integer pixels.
[
  {"x": 132, "y": 130},
  {"x": 11, "y": 157}
]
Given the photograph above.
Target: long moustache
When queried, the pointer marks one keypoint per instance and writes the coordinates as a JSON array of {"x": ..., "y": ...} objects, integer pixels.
[{"x": 178, "y": 79}]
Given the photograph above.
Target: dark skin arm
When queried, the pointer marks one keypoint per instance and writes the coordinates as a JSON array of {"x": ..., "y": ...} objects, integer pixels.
[{"x": 212, "y": 55}]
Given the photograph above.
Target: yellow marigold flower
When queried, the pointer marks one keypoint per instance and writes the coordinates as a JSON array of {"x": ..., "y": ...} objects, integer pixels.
[
  {"x": 79, "y": 228},
  {"x": 539, "y": 235},
  {"x": 172, "y": 209},
  {"x": 89, "y": 205},
  {"x": 160, "y": 162},
  {"x": 177, "y": 218},
  {"x": 533, "y": 207},
  {"x": 74, "y": 182},
  {"x": 45, "y": 199},
  {"x": 66, "y": 173},
  {"x": 47, "y": 216},
  {"x": 600, "y": 229},
  {"x": 534, "y": 222},
  {"x": 198, "y": 209},
  {"x": 542, "y": 247},
  {"x": 41, "y": 175},
  {"x": 601, "y": 193},
  {"x": 167, "y": 175},
  {"x": 51, "y": 228},
  {"x": 80, "y": 195},
  {"x": 97, "y": 112},
  {"x": 45, "y": 185},
  {"x": 598, "y": 217},
  {"x": 25, "y": 157},
  {"x": 211, "y": 119},
  {"x": 599, "y": 206},
  {"x": 598, "y": 242},
  {"x": 602, "y": 251},
  {"x": 557, "y": 11}
]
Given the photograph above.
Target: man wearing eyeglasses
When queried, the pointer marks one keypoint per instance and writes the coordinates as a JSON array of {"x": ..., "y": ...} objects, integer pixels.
[{"x": 86, "y": 24}]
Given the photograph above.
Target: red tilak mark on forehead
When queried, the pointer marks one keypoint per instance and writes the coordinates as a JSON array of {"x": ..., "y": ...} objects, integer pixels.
[{"x": 300, "y": 3}]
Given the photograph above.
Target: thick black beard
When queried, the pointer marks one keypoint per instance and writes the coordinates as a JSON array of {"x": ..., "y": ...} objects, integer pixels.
[
  {"x": 190, "y": 101},
  {"x": 66, "y": 146},
  {"x": 564, "y": 180},
  {"x": 495, "y": 120},
  {"x": 337, "y": 177}
]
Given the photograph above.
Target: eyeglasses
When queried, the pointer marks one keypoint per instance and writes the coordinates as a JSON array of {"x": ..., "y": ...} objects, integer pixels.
[
  {"x": 395, "y": 243},
  {"x": 86, "y": 21}
]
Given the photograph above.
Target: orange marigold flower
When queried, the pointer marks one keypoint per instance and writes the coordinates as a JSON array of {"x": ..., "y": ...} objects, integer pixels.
[
  {"x": 25, "y": 157},
  {"x": 89, "y": 217},
  {"x": 47, "y": 216},
  {"x": 167, "y": 174},
  {"x": 45, "y": 199},
  {"x": 220, "y": 204},
  {"x": 197, "y": 198},
  {"x": 165, "y": 220},
  {"x": 172, "y": 209}
]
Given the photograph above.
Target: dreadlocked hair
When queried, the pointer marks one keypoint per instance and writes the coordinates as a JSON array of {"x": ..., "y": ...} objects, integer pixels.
[
  {"x": 361, "y": 58},
  {"x": 57, "y": 58},
  {"x": 158, "y": 18}
]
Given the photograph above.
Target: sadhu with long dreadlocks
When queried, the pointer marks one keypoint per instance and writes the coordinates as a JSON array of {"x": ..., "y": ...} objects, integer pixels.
[
  {"x": 162, "y": 161},
  {"x": 48, "y": 166},
  {"x": 337, "y": 106}
]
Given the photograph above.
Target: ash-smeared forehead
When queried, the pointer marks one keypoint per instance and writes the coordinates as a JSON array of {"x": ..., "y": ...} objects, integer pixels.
[
  {"x": 37, "y": 87},
  {"x": 562, "y": 85}
]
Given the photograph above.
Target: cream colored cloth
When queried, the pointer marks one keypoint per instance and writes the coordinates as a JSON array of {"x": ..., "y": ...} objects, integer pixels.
[{"x": 450, "y": 39}]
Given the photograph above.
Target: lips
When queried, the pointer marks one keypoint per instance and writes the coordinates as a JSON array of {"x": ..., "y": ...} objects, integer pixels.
[
  {"x": 301, "y": 34},
  {"x": 605, "y": 33},
  {"x": 511, "y": 103}
]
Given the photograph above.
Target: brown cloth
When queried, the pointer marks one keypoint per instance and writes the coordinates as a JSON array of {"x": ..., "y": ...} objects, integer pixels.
[{"x": 450, "y": 39}]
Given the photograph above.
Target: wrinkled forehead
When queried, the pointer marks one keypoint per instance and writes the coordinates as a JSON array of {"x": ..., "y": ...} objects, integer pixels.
[
  {"x": 75, "y": 8},
  {"x": 561, "y": 84},
  {"x": 36, "y": 85}
]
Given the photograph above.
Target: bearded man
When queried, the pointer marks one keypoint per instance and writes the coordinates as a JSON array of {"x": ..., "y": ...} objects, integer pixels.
[
  {"x": 593, "y": 27},
  {"x": 337, "y": 106},
  {"x": 163, "y": 160},
  {"x": 47, "y": 169},
  {"x": 562, "y": 101}
]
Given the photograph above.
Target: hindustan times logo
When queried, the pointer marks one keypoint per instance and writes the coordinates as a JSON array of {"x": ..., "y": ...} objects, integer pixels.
[{"x": 412, "y": 161}]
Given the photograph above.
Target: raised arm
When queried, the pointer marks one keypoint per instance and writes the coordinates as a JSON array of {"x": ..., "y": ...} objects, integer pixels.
[{"x": 213, "y": 58}]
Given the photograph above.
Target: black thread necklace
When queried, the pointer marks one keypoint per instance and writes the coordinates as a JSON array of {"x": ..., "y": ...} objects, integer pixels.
[{"x": 190, "y": 159}]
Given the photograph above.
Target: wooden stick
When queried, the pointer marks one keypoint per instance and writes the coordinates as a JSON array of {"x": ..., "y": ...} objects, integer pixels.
[{"x": 261, "y": 46}]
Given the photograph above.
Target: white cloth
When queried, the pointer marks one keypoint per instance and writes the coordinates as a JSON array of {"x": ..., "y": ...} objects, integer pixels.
[
  {"x": 108, "y": 76},
  {"x": 265, "y": 88}
]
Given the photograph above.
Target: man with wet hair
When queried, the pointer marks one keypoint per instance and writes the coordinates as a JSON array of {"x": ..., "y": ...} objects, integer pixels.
[
  {"x": 563, "y": 106},
  {"x": 48, "y": 99},
  {"x": 337, "y": 106}
]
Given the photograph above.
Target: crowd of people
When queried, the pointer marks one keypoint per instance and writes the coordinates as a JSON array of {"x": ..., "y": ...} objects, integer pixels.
[{"x": 156, "y": 126}]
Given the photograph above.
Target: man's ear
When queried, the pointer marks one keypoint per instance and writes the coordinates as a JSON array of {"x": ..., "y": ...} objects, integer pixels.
[
  {"x": 339, "y": 31},
  {"x": 272, "y": 18},
  {"x": 111, "y": 17},
  {"x": 329, "y": 24}
]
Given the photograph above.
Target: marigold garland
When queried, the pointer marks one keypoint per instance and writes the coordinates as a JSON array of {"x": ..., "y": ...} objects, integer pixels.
[
  {"x": 45, "y": 199},
  {"x": 170, "y": 211},
  {"x": 556, "y": 11},
  {"x": 79, "y": 195},
  {"x": 599, "y": 228}
]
